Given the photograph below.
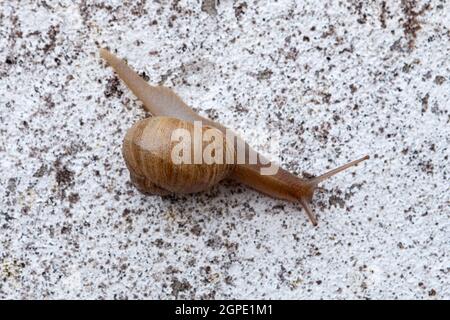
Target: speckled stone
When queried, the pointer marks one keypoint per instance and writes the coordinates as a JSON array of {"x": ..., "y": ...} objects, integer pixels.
[{"x": 332, "y": 80}]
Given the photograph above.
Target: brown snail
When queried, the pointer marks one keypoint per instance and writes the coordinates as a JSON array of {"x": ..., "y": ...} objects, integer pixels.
[{"x": 148, "y": 150}]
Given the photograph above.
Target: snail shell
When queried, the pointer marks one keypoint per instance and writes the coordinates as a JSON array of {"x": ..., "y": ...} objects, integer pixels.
[{"x": 148, "y": 148}]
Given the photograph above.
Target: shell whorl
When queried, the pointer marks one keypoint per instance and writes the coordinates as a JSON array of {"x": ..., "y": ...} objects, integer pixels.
[{"x": 147, "y": 150}]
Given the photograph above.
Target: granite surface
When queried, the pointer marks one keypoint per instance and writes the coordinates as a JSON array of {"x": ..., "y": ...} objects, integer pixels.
[{"x": 328, "y": 81}]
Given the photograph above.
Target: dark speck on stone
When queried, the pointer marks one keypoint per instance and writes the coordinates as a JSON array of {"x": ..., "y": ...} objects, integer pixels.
[
  {"x": 209, "y": 6},
  {"x": 112, "y": 88},
  {"x": 240, "y": 9},
  {"x": 64, "y": 176},
  {"x": 74, "y": 198},
  {"x": 439, "y": 80},
  {"x": 196, "y": 230},
  {"x": 179, "y": 286},
  {"x": 264, "y": 75}
]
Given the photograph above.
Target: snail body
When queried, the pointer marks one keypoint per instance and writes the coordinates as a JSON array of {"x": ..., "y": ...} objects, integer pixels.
[{"x": 148, "y": 150}]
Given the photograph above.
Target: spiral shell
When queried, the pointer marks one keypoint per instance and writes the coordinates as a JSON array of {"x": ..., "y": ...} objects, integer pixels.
[{"x": 148, "y": 150}]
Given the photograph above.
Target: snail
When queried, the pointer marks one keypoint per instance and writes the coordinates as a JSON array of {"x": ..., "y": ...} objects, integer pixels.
[{"x": 148, "y": 150}]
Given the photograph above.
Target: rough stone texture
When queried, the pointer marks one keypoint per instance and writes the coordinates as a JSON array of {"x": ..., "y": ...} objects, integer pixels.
[{"x": 333, "y": 80}]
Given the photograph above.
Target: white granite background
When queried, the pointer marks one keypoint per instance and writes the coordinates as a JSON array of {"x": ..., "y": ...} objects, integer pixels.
[{"x": 334, "y": 79}]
